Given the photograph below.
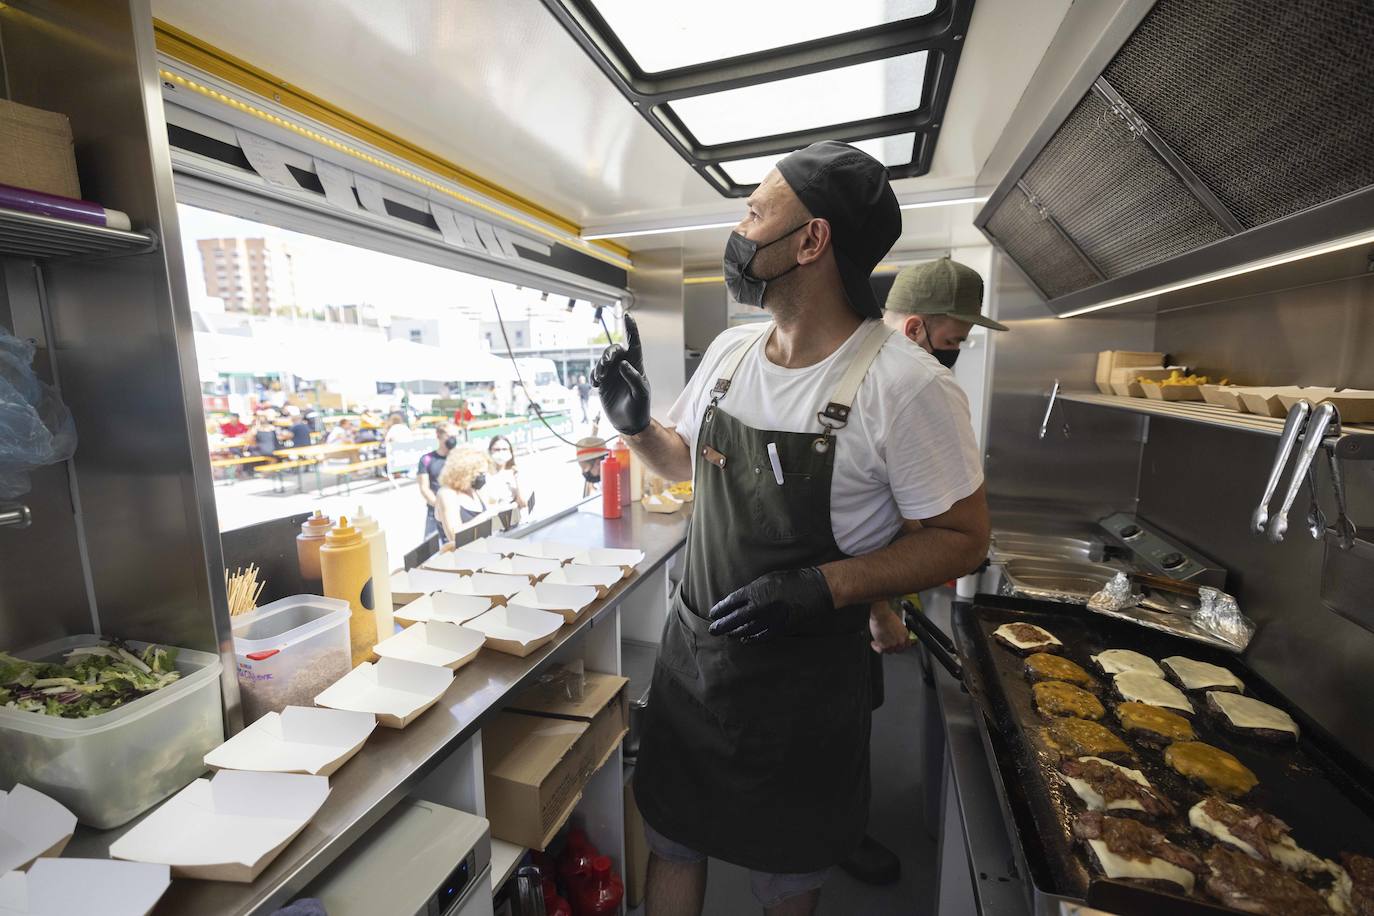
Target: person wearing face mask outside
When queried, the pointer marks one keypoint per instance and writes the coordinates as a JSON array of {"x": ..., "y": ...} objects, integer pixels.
[
  {"x": 460, "y": 490},
  {"x": 834, "y": 465},
  {"x": 506, "y": 480},
  {"x": 427, "y": 476}
]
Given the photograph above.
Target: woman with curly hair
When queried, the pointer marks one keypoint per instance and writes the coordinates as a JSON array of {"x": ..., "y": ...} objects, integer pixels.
[{"x": 458, "y": 503}]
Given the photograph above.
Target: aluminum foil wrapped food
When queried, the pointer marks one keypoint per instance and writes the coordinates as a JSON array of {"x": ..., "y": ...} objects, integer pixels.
[
  {"x": 1220, "y": 615},
  {"x": 1116, "y": 595}
]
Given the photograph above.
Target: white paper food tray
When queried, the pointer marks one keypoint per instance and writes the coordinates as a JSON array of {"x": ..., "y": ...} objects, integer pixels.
[
  {"x": 532, "y": 568},
  {"x": 394, "y": 690},
  {"x": 445, "y": 607},
  {"x": 462, "y": 560},
  {"x": 547, "y": 550},
  {"x": 407, "y": 585},
  {"x": 63, "y": 887},
  {"x": 299, "y": 739},
  {"x": 600, "y": 577},
  {"x": 225, "y": 828},
  {"x": 31, "y": 825},
  {"x": 609, "y": 556},
  {"x": 517, "y": 630},
  {"x": 504, "y": 546},
  {"x": 491, "y": 585},
  {"x": 444, "y": 645},
  {"x": 568, "y": 600}
]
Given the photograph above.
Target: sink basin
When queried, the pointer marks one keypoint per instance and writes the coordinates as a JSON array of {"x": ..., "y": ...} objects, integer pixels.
[
  {"x": 1054, "y": 579},
  {"x": 1010, "y": 544}
]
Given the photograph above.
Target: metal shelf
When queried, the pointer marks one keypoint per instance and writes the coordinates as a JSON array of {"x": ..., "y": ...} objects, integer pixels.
[
  {"x": 28, "y": 235},
  {"x": 1195, "y": 412}
]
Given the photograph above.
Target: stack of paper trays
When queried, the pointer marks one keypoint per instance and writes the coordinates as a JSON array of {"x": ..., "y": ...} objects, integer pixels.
[
  {"x": 599, "y": 577},
  {"x": 32, "y": 825},
  {"x": 517, "y": 630},
  {"x": 462, "y": 560},
  {"x": 444, "y": 645},
  {"x": 504, "y": 546},
  {"x": 547, "y": 550},
  {"x": 445, "y": 607},
  {"x": 533, "y": 568},
  {"x": 490, "y": 585},
  {"x": 407, "y": 585},
  {"x": 394, "y": 691},
  {"x": 64, "y": 887},
  {"x": 299, "y": 739},
  {"x": 226, "y": 828},
  {"x": 609, "y": 556},
  {"x": 568, "y": 600}
]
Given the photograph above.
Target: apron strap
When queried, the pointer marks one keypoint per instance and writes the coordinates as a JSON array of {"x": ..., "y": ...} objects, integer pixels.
[
  {"x": 730, "y": 363},
  {"x": 836, "y": 413}
]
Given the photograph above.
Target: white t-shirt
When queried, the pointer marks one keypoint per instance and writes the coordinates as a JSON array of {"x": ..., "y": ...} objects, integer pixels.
[{"x": 908, "y": 451}]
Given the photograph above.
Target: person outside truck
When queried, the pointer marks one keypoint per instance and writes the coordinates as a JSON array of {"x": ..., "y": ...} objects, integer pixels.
[
  {"x": 427, "y": 476},
  {"x": 835, "y": 465}
]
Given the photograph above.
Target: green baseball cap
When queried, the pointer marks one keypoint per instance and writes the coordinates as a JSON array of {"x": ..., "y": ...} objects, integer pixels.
[{"x": 942, "y": 287}]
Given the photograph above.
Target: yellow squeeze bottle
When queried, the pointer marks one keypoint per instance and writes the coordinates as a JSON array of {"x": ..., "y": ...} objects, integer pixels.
[{"x": 346, "y": 565}]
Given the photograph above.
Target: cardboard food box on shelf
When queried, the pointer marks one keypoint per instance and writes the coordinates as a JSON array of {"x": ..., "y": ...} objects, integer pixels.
[
  {"x": 32, "y": 826},
  {"x": 445, "y": 607},
  {"x": 1265, "y": 402},
  {"x": 517, "y": 630},
  {"x": 225, "y": 828},
  {"x": 1125, "y": 382},
  {"x": 461, "y": 560},
  {"x": 543, "y": 749},
  {"x": 103, "y": 886},
  {"x": 532, "y": 568},
  {"x": 568, "y": 600},
  {"x": 36, "y": 150},
  {"x": 1355, "y": 406},
  {"x": 393, "y": 690},
  {"x": 445, "y": 645},
  {"x": 1108, "y": 360},
  {"x": 299, "y": 739},
  {"x": 1172, "y": 392},
  {"x": 1227, "y": 396}
]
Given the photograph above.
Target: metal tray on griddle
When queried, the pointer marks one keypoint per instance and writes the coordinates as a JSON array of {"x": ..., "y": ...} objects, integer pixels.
[{"x": 1317, "y": 787}]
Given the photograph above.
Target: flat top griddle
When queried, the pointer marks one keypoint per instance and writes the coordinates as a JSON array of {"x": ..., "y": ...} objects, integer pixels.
[{"x": 1318, "y": 788}]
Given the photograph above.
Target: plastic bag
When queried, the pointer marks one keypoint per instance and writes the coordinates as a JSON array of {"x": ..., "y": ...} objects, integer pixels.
[{"x": 36, "y": 429}]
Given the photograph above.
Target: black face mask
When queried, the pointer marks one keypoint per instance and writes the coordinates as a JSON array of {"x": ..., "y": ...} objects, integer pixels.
[
  {"x": 946, "y": 358},
  {"x": 451, "y": 442},
  {"x": 479, "y": 481},
  {"x": 591, "y": 476},
  {"x": 744, "y": 287}
]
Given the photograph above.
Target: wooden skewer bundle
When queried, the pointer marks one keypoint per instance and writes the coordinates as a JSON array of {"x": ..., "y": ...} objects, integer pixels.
[{"x": 244, "y": 589}]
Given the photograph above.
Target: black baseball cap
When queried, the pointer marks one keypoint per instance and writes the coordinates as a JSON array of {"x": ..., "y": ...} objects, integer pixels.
[{"x": 849, "y": 189}]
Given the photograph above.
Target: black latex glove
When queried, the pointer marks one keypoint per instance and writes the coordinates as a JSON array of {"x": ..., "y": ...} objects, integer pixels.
[
  {"x": 773, "y": 605},
  {"x": 622, "y": 385}
]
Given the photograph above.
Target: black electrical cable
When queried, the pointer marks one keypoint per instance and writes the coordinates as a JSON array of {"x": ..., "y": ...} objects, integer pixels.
[{"x": 538, "y": 410}]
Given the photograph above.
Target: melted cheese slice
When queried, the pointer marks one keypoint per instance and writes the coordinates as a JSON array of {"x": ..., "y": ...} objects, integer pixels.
[
  {"x": 1045, "y": 637},
  {"x": 1115, "y": 866},
  {"x": 1120, "y": 661},
  {"x": 1246, "y": 712},
  {"x": 1208, "y": 824},
  {"x": 1154, "y": 691},
  {"x": 1094, "y": 800},
  {"x": 1195, "y": 675}
]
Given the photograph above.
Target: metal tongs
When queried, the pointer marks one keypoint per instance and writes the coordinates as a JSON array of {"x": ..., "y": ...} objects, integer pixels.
[{"x": 1319, "y": 422}]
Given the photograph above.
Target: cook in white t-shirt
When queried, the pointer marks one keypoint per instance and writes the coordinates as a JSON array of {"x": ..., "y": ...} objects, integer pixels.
[{"x": 907, "y": 452}]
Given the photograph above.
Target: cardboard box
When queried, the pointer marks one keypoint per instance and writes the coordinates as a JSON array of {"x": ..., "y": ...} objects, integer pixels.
[
  {"x": 1108, "y": 360},
  {"x": 393, "y": 690},
  {"x": 84, "y": 886},
  {"x": 541, "y": 751},
  {"x": 1355, "y": 406},
  {"x": 36, "y": 150},
  {"x": 226, "y": 828},
  {"x": 299, "y": 739},
  {"x": 1125, "y": 384},
  {"x": 32, "y": 826},
  {"x": 1172, "y": 392}
]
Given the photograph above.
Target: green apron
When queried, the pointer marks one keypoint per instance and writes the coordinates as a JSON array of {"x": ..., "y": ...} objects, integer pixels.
[{"x": 758, "y": 754}]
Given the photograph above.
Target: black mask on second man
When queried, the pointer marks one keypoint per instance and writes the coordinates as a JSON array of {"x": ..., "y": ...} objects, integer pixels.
[
  {"x": 744, "y": 287},
  {"x": 946, "y": 358},
  {"x": 479, "y": 481}
]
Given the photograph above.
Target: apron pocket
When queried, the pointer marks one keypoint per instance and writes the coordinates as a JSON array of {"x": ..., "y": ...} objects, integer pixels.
[
  {"x": 677, "y": 650},
  {"x": 791, "y": 511}
]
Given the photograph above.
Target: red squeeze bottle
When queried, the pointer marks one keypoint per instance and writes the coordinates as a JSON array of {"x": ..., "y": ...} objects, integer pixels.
[
  {"x": 601, "y": 893},
  {"x": 610, "y": 487},
  {"x": 575, "y": 864},
  {"x": 554, "y": 905}
]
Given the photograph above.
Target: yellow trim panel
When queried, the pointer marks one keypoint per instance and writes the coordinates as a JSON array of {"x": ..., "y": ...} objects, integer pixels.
[{"x": 203, "y": 56}]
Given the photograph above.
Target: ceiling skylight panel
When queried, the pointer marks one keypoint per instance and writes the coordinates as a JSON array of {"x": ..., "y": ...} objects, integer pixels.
[{"x": 890, "y": 151}]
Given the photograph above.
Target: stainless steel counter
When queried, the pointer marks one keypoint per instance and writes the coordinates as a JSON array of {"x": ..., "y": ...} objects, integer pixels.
[{"x": 394, "y": 761}]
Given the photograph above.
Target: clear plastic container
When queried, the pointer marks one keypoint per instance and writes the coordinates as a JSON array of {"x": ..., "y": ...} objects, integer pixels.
[
  {"x": 289, "y": 651},
  {"x": 110, "y": 768}
]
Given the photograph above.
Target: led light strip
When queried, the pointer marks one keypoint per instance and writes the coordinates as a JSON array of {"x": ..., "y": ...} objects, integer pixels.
[
  {"x": 1299, "y": 255},
  {"x": 317, "y": 137}
]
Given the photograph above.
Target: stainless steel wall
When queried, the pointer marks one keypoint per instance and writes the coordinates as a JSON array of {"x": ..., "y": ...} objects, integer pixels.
[
  {"x": 1087, "y": 465},
  {"x": 658, "y": 296},
  {"x": 122, "y": 336},
  {"x": 1202, "y": 485}
]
